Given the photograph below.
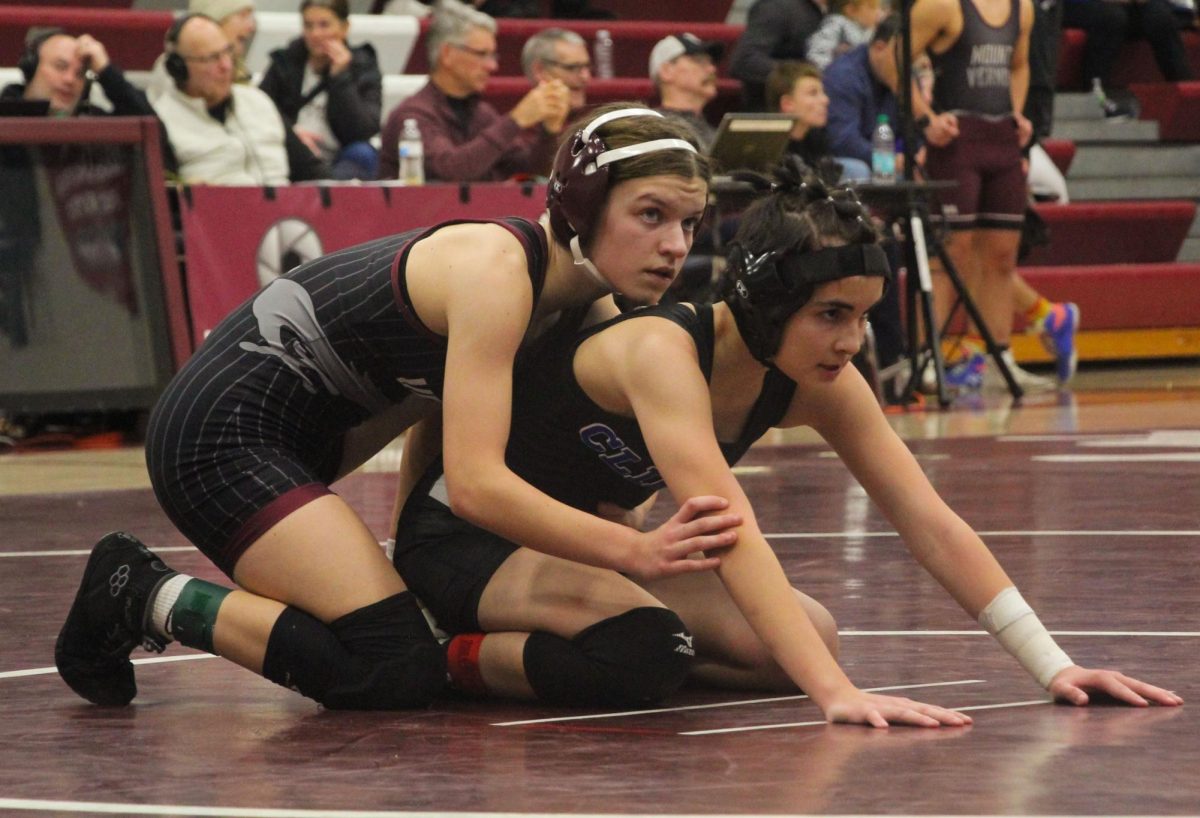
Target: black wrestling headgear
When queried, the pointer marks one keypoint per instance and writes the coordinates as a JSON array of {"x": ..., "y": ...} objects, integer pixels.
[{"x": 765, "y": 290}]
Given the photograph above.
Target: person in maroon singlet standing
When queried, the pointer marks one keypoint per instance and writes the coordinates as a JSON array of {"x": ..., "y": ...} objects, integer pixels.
[{"x": 980, "y": 55}]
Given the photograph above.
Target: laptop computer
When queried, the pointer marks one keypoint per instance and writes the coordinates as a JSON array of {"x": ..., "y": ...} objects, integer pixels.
[
  {"x": 24, "y": 107},
  {"x": 750, "y": 142}
]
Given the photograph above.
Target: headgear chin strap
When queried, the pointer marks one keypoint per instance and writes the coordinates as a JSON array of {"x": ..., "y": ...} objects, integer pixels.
[
  {"x": 580, "y": 182},
  {"x": 765, "y": 290}
]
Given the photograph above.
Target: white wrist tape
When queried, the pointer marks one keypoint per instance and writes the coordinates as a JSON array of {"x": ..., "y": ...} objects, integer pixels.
[
  {"x": 1016, "y": 627},
  {"x": 389, "y": 547}
]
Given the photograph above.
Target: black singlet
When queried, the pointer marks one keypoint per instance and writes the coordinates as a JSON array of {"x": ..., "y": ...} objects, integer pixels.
[
  {"x": 581, "y": 454},
  {"x": 258, "y": 414}
]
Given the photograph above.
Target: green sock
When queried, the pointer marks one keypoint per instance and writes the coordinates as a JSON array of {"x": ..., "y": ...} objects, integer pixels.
[{"x": 194, "y": 614}]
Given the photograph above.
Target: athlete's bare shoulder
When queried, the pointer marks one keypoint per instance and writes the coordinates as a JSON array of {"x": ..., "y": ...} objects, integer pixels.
[
  {"x": 475, "y": 262},
  {"x": 936, "y": 19},
  {"x": 479, "y": 244}
]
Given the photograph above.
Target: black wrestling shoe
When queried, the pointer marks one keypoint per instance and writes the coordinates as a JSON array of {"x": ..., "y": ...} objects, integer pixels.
[{"x": 108, "y": 619}]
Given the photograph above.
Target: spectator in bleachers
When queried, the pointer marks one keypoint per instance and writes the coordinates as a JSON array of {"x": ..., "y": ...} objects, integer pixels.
[
  {"x": 1046, "y": 181},
  {"x": 1109, "y": 23},
  {"x": 465, "y": 138},
  {"x": 849, "y": 24},
  {"x": 58, "y": 67},
  {"x": 775, "y": 30},
  {"x": 684, "y": 70},
  {"x": 220, "y": 132},
  {"x": 329, "y": 93},
  {"x": 861, "y": 85},
  {"x": 1044, "y": 42},
  {"x": 236, "y": 18},
  {"x": 557, "y": 54},
  {"x": 795, "y": 88}
]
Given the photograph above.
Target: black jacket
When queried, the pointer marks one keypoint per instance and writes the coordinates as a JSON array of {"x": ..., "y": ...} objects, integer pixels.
[
  {"x": 775, "y": 30},
  {"x": 126, "y": 99},
  {"x": 355, "y": 95}
]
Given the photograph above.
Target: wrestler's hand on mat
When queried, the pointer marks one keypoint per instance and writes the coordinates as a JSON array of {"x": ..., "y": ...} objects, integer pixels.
[
  {"x": 860, "y": 707},
  {"x": 664, "y": 551},
  {"x": 1072, "y": 684}
]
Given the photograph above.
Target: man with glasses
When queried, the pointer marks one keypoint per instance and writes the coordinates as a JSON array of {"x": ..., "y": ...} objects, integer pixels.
[
  {"x": 465, "y": 138},
  {"x": 219, "y": 132},
  {"x": 557, "y": 54}
]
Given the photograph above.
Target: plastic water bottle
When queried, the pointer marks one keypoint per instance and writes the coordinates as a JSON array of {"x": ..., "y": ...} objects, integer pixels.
[
  {"x": 412, "y": 155},
  {"x": 883, "y": 152},
  {"x": 602, "y": 55}
]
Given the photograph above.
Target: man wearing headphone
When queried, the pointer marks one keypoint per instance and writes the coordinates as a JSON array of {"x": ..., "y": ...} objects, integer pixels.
[
  {"x": 59, "y": 68},
  {"x": 220, "y": 132}
]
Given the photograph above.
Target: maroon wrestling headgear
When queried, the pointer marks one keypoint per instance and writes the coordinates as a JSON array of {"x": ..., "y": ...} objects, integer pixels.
[{"x": 580, "y": 180}]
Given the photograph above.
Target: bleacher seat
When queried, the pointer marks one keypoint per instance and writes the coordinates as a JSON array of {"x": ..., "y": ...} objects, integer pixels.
[
  {"x": 104, "y": 4},
  {"x": 1176, "y": 107},
  {"x": 1061, "y": 153},
  {"x": 709, "y": 11},
  {"x": 1113, "y": 232},
  {"x": 1135, "y": 65},
  {"x": 134, "y": 39},
  {"x": 392, "y": 36},
  {"x": 293, "y": 6},
  {"x": 399, "y": 87},
  {"x": 1123, "y": 296}
]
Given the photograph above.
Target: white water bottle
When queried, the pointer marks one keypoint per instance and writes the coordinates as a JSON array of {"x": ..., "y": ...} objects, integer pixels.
[
  {"x": 602, "y": 55},
  {"x": 883, "y": 152},
  {"x": 412, "y": 155}
]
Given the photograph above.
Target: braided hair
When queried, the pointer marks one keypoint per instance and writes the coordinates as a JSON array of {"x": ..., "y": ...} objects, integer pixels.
[{"x": 803, "y": 232}]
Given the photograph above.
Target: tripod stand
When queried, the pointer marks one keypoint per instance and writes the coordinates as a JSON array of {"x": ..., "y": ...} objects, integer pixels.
[{"x": 906, "y": 204}]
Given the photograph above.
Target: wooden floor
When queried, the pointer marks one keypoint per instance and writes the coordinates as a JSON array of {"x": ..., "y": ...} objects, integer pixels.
[{"x": 1091, "y": 499}]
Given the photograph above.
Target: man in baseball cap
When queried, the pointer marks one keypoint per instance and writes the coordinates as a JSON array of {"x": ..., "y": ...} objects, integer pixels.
[{"x": 684, "y": 70}]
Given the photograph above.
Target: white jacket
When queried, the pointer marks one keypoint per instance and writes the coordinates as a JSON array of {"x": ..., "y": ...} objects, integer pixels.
[{"x": 247, "y": 149}]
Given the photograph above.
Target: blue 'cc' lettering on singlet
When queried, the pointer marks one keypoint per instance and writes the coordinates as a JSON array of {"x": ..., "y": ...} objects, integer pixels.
[{"x": 620, "y": 458}]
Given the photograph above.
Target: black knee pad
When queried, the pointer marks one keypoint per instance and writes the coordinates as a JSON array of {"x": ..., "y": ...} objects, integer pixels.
[
  {"x": 381, "y": 657},
  {"x": 631, "y": 660}
]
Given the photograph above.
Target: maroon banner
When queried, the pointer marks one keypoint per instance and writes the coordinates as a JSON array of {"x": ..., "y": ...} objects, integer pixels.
[
  {"x": 91, "y": 187},
  {"x": 236, "y": 239}
]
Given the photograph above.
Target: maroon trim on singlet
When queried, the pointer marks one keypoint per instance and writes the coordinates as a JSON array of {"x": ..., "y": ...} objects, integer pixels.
[
  {"x": 400, "y": 289},
  {"x": 536, "y": 258},
  {"x": 261, "y": 521}
]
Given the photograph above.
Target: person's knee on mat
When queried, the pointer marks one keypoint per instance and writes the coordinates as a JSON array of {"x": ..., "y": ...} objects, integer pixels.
[
  {"x": 380, "y": 657},
  {"x": 634, "y": 659}
]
